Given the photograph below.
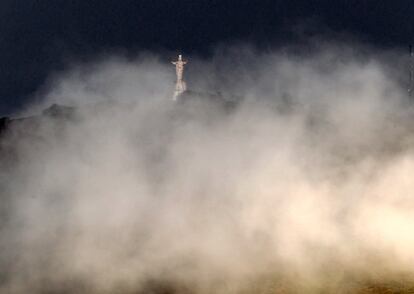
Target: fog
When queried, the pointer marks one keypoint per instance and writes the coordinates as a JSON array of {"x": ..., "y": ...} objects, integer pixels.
[{"x": 303, "y": 185}]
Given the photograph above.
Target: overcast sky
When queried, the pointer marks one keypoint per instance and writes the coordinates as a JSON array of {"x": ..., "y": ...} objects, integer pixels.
[{"x": 39, "y": 37}]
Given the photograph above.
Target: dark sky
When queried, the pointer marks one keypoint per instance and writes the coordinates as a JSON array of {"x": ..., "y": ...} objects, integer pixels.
[{"x": 37, "y": 37}]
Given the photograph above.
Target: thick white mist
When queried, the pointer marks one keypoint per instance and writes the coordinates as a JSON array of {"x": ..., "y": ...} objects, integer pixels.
[{"x": 305, "y": 185}]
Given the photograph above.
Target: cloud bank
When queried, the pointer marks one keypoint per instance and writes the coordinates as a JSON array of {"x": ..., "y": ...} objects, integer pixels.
[{"x": 304, "y": 186}]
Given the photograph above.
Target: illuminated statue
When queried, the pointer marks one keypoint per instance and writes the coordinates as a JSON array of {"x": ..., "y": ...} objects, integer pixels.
[{"x": 180, "y": 85}]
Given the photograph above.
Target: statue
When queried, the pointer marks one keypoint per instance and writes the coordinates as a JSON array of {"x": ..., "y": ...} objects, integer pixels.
[{"x": 180, "y": 85}]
